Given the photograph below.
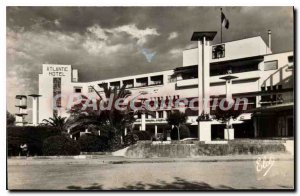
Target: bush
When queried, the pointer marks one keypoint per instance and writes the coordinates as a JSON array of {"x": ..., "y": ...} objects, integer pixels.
[
  {"x": 184, "y": 132},
  {"x": 32, "y": 136},
  {"x": 93, "y": 143},
  {"x": 60, "y": 145},
  {"x": 133, "y": 137}
]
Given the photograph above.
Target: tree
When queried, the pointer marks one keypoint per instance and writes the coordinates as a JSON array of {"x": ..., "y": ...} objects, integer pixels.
[
  {"x": 111, "y": 121},
  {"x": 57, "y": 121},
  {"x": 177, "y": 118},
  {"x": 225, "y": 116},
  {"x": 10, "y": 119}
]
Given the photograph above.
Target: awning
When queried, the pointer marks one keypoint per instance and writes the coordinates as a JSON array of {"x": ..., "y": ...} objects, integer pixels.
[
  {"x": 187, "y": 69},
  {"x": 273, "y": 108}
]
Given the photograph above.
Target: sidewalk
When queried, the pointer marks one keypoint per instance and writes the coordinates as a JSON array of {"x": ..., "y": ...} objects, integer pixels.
[{"x": 106, "y": 159}]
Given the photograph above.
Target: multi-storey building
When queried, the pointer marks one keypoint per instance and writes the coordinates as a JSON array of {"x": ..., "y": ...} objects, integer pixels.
[{"x": 264, "y": 78}]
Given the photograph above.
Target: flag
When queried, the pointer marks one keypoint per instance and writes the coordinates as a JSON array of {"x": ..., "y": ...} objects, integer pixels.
[{"x": 224, "y": 21}]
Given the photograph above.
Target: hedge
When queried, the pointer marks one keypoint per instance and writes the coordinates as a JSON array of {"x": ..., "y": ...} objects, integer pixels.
[
  {"x": 60, "y": 145},
  {"x": 133, "y": 137},
  {"x": 93, "y": 143},
  {"x": 32, "y": 136}
]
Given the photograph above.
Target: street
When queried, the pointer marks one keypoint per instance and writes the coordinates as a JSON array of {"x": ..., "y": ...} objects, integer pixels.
[{"x": 94, "y": 174}]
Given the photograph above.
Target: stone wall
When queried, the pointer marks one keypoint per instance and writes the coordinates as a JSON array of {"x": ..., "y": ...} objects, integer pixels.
[{"x": 147, "y": 149}]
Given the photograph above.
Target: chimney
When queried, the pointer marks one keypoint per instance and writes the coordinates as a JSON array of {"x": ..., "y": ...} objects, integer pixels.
[{"x": 270, "y": 39}]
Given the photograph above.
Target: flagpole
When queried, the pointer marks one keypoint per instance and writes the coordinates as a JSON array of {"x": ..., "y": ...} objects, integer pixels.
[{"x": 221, "y": 25}]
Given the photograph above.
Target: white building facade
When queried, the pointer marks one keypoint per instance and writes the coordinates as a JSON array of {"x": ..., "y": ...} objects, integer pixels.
[{"x": 265, "y": 79}]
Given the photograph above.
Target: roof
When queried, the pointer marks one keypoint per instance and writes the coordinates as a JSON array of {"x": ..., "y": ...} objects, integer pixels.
[
  {"x": 34, "y": 95},
  {"x": 191, "y": 67},
  {"x": 274, "y": 108},
  {"x": 209, "y": 35},
  {"x": 229, "y": 77},
  {"x": 20, "y": 96}
]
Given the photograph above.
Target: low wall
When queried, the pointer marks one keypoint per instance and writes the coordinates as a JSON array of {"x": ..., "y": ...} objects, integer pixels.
[{"x": 147, "y": 149}]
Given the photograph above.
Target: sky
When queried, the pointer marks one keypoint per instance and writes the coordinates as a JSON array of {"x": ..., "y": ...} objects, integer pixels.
[{"x": 108, "y": 42}]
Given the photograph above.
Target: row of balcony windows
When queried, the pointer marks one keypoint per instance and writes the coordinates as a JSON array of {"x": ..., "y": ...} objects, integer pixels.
[{"x": 139, "y": 82}]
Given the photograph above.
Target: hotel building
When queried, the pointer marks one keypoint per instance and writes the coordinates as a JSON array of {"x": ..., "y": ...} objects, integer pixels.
[{"x": 264, "y": 78}]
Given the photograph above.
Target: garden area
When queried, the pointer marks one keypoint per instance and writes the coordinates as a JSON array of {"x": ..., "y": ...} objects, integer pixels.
[{"x": 55, "y": 136}]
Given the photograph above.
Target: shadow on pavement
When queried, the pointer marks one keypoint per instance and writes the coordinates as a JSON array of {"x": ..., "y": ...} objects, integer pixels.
[{"x": 177, "y": 184}]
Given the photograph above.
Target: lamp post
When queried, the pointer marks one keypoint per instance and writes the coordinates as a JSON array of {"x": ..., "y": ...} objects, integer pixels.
[
  {"x": 229, "y": 131},
  {"x": 143, "y": 116},
  {"x": 228, "y": 80}
]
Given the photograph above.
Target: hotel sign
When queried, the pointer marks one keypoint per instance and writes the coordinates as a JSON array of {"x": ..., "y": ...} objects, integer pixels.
[{"x": 57, "y": 71}]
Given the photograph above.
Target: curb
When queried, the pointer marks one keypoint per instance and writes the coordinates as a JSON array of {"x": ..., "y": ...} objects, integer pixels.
[{"x": 72, "y": 161}]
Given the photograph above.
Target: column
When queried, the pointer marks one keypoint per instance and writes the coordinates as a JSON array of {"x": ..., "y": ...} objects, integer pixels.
[
  {"x": 34, "y": 111},
  {"x": 155, "y": 131},
  {"x": 35, "y": 108},
  {"x": 228, "y": 91},
  {"x": 143, "y": 120},
  {"x": 204, "y": 127},
  {"x": 206, "y": 75},
  {"x": 165, "y": 114},
  {"x": 200, "y": 85}
]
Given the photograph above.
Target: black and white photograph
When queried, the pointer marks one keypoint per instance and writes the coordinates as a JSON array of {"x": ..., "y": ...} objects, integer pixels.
[{"x": 131, "y": 98}]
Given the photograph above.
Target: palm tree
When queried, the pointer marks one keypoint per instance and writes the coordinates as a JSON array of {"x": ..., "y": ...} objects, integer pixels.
[
  {"x": 176, "y": 119},
  {"x": 57, "y": 121},
  {"x": 112, "y": 122}
]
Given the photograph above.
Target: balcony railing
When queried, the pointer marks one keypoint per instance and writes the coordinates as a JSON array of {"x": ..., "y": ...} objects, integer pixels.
[{"x": 188, "y": 82}]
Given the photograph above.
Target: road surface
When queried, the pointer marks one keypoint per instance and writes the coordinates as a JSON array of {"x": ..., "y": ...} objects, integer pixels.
[{"x": 93, "y": 174}]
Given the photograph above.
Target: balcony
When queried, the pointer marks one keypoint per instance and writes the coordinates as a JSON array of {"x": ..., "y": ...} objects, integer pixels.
[
  {"x": 152, "y": 121},
  {"x": 188, "y": 82},
  {"x": 241, "y": 76},
  {"x": 129, "y": 83},
  {"x": 277, "y": 98},
  {"x": 115, "y": 85},
  {"x": 157, "y": 80},
  {"x": 140, "y": 82},
  {"x": 103, "y": 85}
]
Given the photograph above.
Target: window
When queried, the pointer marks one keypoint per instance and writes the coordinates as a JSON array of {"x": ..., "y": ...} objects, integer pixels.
[
  {"x": 142, "y": 81},
  {"x": 171, "y": 78},
  {"x": 168, "y": 113},
  {"x": 103, "y": 85},
  {"x": 235, "y": 67},
  {"x": 128, "y": 83},
  {"x": 115, "y": 85},
  {"x": 271, "y": 65},
  {"x": 56, "y": 92},
  {"x": 291, "y": 59},
  {"x": 218, "y": 51},
  {"x": 157, "y": 80},
  {"x": 160, "y": 114},
  {"x": 77, "y": 89},
  {"x": 90, "y": 89}
]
